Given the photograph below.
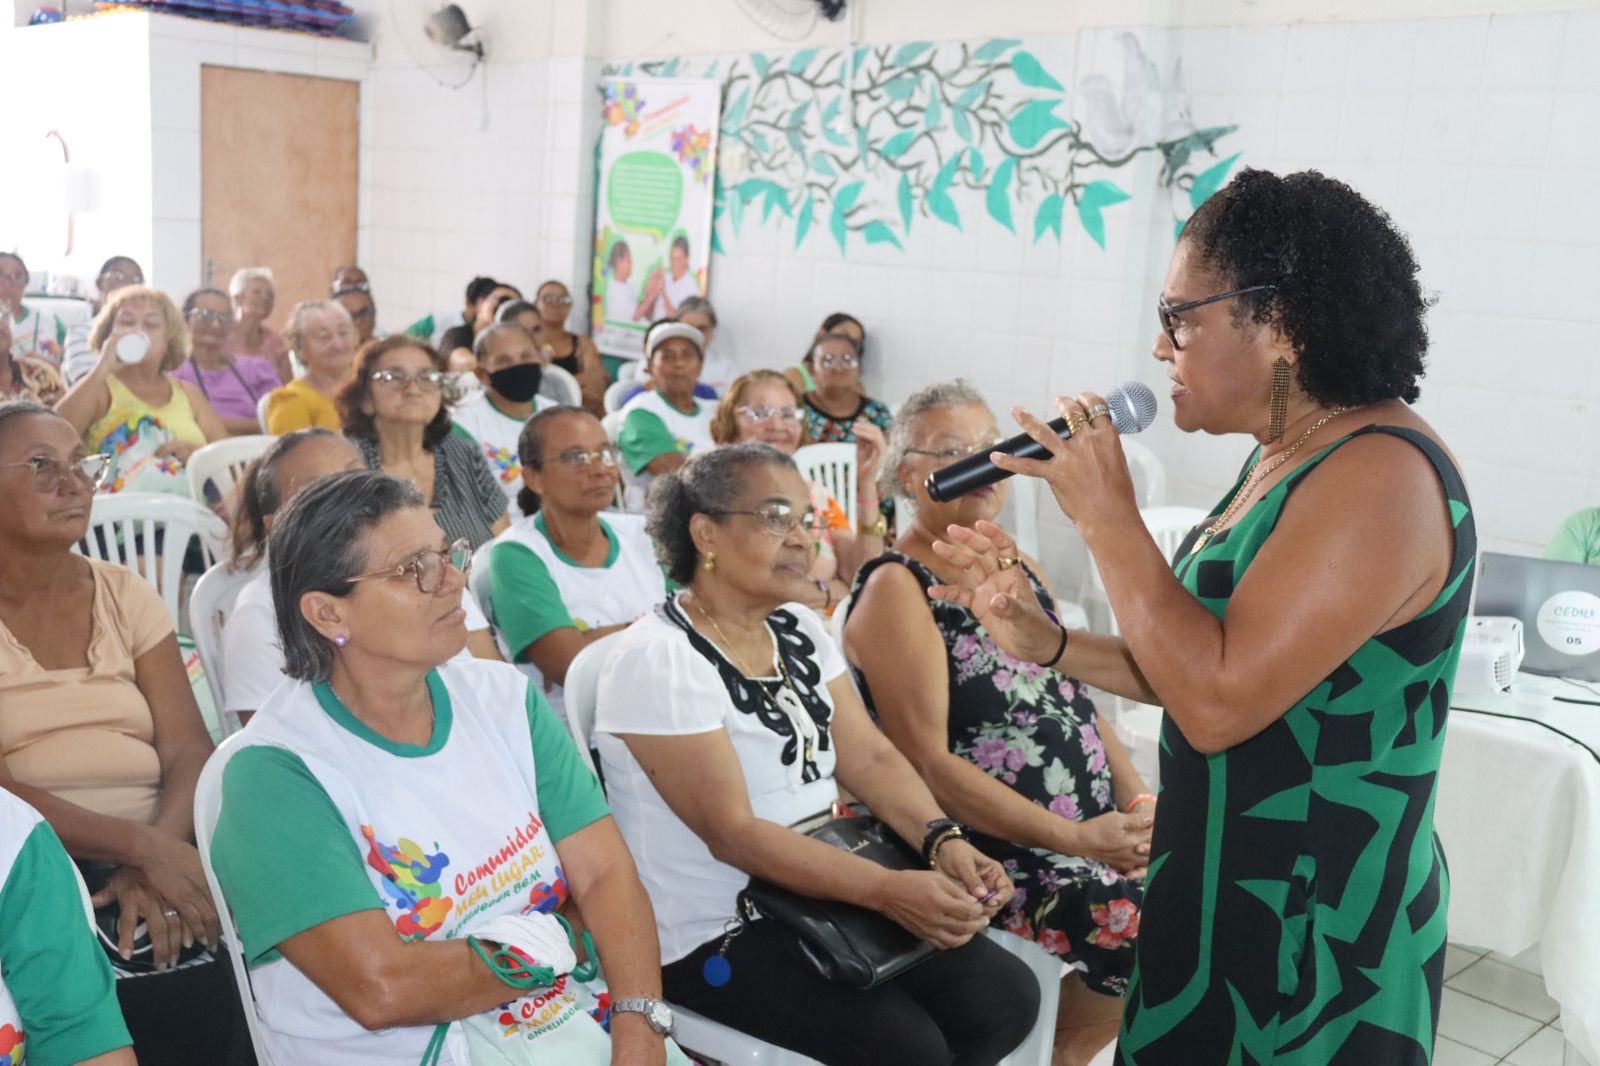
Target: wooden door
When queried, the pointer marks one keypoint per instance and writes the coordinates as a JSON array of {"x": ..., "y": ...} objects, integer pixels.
[{"x": 278, "y": 179}]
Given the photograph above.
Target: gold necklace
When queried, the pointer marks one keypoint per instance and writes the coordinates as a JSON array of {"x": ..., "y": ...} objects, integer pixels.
[
  {"x": 1256, "y": 475},
  {"x": 783, "y": 669}
]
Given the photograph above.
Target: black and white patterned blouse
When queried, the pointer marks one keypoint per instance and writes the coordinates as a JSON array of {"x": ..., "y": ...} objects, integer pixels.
[{"x": 467, "y": 501}]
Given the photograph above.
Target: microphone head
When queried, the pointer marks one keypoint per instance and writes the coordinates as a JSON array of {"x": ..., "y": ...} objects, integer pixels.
[{"x": 1133, "y": 406}]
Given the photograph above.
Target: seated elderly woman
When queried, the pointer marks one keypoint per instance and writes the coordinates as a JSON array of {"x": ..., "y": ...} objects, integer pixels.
[
  {"x": 232, "y": 384},
  {"x": 572, "y": 352},
  {"x": 800, "y": 374},
  {"x": 725, "y": 718},
  {"x": 763, "y": 406},
  {"x": 252, "y": 659},
  {"x": 137, "y": 410},
  {"x": 325, "y": 340},
  {"x": 57, "y": 996},
  {"x": 393, "y": 410},
  {"x": 1014, "y": 750},
  {"x": 100, "y": 734},
  {"x": 35, "y": 332},
  {"x": 254, "y": 297},
  {"x": 420, "y": 801},
  {"x": 24, "y": 377},
  {"x": 662, "y": 427},
  {"x": 564, "y": 577}
]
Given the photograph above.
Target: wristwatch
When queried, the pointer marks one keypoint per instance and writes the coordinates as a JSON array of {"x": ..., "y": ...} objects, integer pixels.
[{"x": 656, "y": 1013}]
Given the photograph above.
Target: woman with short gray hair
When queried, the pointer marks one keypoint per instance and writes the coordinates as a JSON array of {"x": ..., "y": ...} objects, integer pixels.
[
  {"x": 1010, "y": 747},
  {"x": 423, "y": 801},
  {"x": 324, "y": 339},
  {"x": 254, "y": 296}
]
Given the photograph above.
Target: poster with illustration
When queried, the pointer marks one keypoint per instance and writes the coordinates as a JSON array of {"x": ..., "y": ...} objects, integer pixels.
[{"x": 652, "y": 227}]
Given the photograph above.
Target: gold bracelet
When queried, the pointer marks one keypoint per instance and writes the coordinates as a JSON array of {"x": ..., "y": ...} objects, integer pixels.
[
  {"x": 880, "y": 528},
  {"x": 953, "y": 833}
]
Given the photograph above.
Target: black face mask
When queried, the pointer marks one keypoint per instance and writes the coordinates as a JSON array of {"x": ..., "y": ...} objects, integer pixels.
[{"x": 519, "y": 383}]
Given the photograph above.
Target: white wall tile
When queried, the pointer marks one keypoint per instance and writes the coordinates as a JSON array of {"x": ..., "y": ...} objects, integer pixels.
[
  {"x": 1572, "y": 139},
  {"x": 1308, "y": 124},
  {"x": 176, "y": 174},
  {"x": 1317, "y": 56},
  {"x": 1372, "y": 128},
  {"x": 1450, "y": 54},
  {"x": 1524, "y": 52},
  {"x": 1580, "y": 44},
  {"x": 1441, "y": 127},
  {"x": 1382, "y": 55}
]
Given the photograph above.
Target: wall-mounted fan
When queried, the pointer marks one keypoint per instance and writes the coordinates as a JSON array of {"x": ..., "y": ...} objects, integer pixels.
[{"x": 791, "y": 20}]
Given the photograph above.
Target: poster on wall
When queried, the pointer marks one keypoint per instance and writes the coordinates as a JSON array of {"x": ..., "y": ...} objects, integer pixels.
[{"x": 652, "y": 225}]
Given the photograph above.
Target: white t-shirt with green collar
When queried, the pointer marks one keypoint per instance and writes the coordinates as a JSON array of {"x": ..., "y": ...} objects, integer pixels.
[
  {"x": 536, "y": 588},
  {"x": 497, "y": 434},
  {"x": 39, "y": 334},
  {"x": 323, "y": 817},
  {"x": 58, "y": 1000}
]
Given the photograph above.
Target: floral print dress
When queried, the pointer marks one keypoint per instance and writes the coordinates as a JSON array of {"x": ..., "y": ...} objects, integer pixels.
[{"x": 1035, "y": 729}]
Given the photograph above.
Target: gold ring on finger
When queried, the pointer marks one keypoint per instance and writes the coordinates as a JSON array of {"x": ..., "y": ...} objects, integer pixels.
[
  {"x": 1006, "y": 562},
  {"x": 1097, "y": 410},
  {"x": 1076, "y": 421}
]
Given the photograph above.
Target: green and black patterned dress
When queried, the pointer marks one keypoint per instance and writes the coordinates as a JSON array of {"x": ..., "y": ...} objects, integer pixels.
[{"x": 1295, "y": 907}]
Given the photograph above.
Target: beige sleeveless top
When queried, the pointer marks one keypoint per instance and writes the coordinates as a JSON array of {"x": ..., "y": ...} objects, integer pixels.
[{"x": 85, "y": 734}]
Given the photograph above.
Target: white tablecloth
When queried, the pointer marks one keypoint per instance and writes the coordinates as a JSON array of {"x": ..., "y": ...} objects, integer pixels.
[{"x": 1518, "y": 811}]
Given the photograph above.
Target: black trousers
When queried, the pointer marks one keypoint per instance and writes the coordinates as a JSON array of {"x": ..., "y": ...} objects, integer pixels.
[
  {"x": 970, "y": 1006},
  {"x": 187, "y": 1017}
]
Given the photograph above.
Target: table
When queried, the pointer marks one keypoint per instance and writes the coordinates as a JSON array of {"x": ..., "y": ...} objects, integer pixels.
[{"x": 1518, "y": 811}]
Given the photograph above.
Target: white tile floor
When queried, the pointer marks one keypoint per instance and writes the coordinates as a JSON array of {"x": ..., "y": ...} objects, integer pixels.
[{"x": 1496, "y": 1012}]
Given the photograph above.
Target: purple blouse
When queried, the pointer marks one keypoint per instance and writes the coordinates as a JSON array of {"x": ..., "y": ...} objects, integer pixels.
[{"x": 233, "y": 390}]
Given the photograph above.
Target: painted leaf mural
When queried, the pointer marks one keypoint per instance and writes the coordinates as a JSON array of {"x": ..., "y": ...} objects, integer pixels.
[{"x": 866, "y": 141}]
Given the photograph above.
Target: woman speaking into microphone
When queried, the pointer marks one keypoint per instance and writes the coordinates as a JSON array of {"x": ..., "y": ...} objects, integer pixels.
[{"x": 1303, "y": 641}]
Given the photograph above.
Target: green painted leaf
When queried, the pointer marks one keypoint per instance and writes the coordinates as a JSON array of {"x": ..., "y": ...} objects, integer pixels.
[
  {"x": 975, "y": 164},
  {"x": 1177, "y": 228},
  {"x": 880, "y": 233},
  {"x": 711, "y": 71},
  {"x": 901, "y": 87},
  {"x": 994, "y": 49},
  {"x": 802, "y": 222},
  {"x": 761, "y": 63},
  {"x": 905, "y": 203},
  {"x": 934, "y": 114},
  {"x": 670, "y": 69},
  {"x": 846, "y": 197},
  {"x": 833, "y": 136},
  {"x": 972, "y": 93},
  {"x": 1029, "y": 72},
  {"x": 895, "y": 146},
  {"x": 736, "y": 212},
  {"x": 716, "y": 243},
  {"x": 1097, "y": 195},
  {"x": 1103, "y": 193},
  {"x": 797, "y": 117},
  {"x": 1034, "y": 121},
  {"x": 733, "y": 117},
  {"x": 839, "y": 226},
  {"x": 750, "y": 188},
  {"x": 998, "y": 196},
  {"x": 802, "y": 59},
  {"x": 1048, "y": 217},
  {"x": 777, "y": 198},
  {"x": 1210, "y": 181},
  {"x": 759, "y": 143},
  {"x": 940, "y": 205},
  {"x": 908, "y": 53},
  {"x": 831, "y": 112},
  {"x": 821, "y": 164},
  {"x": 792, "y": 135},
  {"x": 958, "y": 119},
  {"x": 861, "y": 54}
]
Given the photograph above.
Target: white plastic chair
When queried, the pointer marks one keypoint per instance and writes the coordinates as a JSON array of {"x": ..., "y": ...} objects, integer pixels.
[
  {"x": 834, "y": 467},
  {"x": 1048, "y": 968},
  {"x": 207, "y": 807},
  {"x": 261, "y": 411},
  {"x": 1149, "y": 473},
  {"x": 210, "y": 603},
  {"x": 634, "y": 488},
  {"x": 564, "y": 382},
  {"x": 223, "y": 463},
  {"x": 614, "y": 394},
  {"x": 1168, "y": 526},
  {"x": 629, "y": 370},
  {"x": 1025, "y": 515},
  {"x": 581, "y": 693},
  {"x": 124, "y": 526}
]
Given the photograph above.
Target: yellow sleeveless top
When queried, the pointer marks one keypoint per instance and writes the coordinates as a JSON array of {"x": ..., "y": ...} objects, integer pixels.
[{"x": 176, "y": 415}]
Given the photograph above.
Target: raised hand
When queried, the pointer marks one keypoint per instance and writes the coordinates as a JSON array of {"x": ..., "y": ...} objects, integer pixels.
[{"x": 999, "y": 595}]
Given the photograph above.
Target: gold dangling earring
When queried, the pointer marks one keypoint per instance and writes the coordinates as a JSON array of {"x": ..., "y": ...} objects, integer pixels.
[
  {"x": 1279, "y": 404},
  {"x": 710, "y": 563}
]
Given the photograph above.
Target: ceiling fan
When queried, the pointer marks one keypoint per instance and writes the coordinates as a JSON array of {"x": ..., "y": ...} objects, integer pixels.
[{"x": 791, "y": 20}]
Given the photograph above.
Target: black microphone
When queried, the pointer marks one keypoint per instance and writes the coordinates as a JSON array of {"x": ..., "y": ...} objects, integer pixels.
[{"x": 1132, "y": 408}]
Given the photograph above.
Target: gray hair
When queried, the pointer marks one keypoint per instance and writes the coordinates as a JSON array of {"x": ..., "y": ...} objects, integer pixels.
[
  {"x": 699, "y": 304},
  {"x": 302, "y": 313},
  {"x": 245, "y": 275},
  {"x": 940, "y": 394},
  {"x": 711, "y": 481},
  {"x": 317, "y": 545}
]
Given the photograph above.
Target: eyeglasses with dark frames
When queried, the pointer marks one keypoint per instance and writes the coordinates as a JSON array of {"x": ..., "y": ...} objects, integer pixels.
[
  {"x": 397, "y": 380},
  {"x": 49, "y": 472},
  {"x": 1165, "y": 311},
  {"x": 427, "y": 567},
  {"x": 779, "y": 518},
  {"x": 959, "y": 451}
]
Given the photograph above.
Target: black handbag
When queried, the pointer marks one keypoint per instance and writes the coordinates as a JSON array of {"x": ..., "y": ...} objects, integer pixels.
[{"x": 842, "y": 942}]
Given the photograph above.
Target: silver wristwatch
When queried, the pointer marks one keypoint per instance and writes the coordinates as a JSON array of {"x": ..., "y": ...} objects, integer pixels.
[{"x": 655, "y": 1012}]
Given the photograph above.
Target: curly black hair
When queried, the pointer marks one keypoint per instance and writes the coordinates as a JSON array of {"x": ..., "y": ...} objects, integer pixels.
[{"x": 1346, "y": 296}]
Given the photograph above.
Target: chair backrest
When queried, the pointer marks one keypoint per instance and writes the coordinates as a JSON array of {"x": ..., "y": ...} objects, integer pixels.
[
  {"x": 633, "y": 489},
  {"x": 836, "y": 622},
  {"x": 1169, "y": 525},
  {"x": 210, "y": 603},
  {"x": 629, "y": 370},
  {"x": 614, "y": 394},
  {"x": 572, "y": 392},
  {"x": 261, "y": 411},
  {"x": 223, "y": 463},
  {"x": 478, "y": 580},
  {"x": 207, "y": 807},
  {"x": 150, "y": 532},
  {"x": 1149, "y": 474},
  {"x": 581, "y": 692},
  {"x": 834, "y": 467},
  {"x": 1025, "y": 515}
]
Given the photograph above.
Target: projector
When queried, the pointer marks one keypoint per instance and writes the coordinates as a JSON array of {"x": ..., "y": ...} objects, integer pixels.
[{"x": 1490, "y": 655}]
